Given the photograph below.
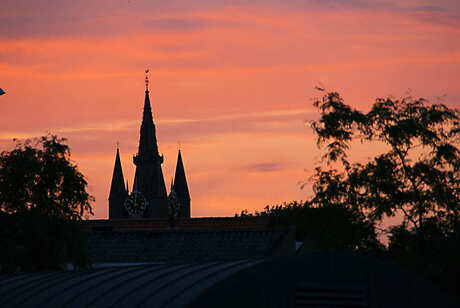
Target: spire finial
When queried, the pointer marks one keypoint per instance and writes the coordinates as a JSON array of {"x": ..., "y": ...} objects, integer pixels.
[
  {"x": 147, "y": 79},
  {"x": 118, "y": 145}
]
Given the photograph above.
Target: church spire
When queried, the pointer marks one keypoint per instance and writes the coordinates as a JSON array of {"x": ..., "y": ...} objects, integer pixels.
[
  {"x": 181, "y": 187},
  {"x": 148, "y": 179},
  {"x": 148, "y": 146},
  {"x": 118, "y": 191}
]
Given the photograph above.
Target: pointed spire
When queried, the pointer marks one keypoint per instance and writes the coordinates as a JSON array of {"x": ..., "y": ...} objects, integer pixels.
[
  {"x": 172, "y": 185},
  {"x": 117, "y": 188},
  {"x": 127, "y": 186},
  {"x": 148, "y": 147},
  {"x": 180, "y": 181},
  {"x": 118, "y": 191}
]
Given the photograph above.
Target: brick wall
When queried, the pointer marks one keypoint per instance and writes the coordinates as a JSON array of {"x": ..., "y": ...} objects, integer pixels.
[{"x": 185, "y": 246}]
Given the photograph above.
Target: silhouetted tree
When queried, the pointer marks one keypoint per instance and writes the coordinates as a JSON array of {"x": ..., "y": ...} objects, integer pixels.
[
  {"x": 417, "y": 176},
  {"x": 38, "y": 176},
  {"x": 42, "y": 198},
  {"x": 329, "y": 227}
]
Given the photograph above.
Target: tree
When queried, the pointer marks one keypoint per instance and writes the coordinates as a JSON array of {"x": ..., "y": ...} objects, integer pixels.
[
  {"x": 419, "y": 174},
  {"x": 38, "y": 176},
  {"x": 330, "y": 227},
  {"x": 42, "y": 198}
]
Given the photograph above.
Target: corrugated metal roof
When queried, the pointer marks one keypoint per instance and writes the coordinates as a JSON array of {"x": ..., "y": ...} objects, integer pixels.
[{"x": 147, "y": 285}]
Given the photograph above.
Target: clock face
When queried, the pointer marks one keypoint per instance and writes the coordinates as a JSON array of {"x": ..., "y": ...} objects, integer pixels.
[{"x": 136, "y": 204}]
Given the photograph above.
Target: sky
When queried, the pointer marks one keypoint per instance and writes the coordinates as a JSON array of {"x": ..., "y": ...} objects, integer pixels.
[{"x": 231, "y": 82}]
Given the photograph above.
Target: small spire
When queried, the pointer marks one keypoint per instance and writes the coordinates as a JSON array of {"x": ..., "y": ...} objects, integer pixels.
[
  {"x": 127, "y": 186},
  {"x": 172, "y": 184},
  {"x": 117, "y": 187},
  {"x": 118, "y": 193},
  {"x": 180, "y": 181}
]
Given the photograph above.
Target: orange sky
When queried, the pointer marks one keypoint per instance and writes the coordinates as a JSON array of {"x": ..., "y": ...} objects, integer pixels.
[{"x": 232, "y": 81}]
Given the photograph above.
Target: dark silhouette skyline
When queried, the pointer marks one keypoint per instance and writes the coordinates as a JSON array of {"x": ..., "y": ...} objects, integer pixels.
[{"x": 149, "y": 184}]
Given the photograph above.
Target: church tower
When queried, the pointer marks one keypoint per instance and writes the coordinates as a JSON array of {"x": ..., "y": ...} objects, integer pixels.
[
  {"x": 149, "y": 179},
  {"x": 181, "y": 188},
  {"x": 118, "y": 193},
  {"x": 148, "y": 198}
]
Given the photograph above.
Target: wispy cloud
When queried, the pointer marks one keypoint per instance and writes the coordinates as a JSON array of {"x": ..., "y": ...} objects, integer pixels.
[
  {"x": 265, "y": 167},
  {"x": 175, "y": 24},
  {"x": 102, "y": 19},
  {"x": 181, "y": 128}
]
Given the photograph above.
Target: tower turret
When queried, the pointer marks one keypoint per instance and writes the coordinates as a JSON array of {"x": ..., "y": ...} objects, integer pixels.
[
  {"x": 181, "y": 188},
  {"x": 118, "y": 193}
]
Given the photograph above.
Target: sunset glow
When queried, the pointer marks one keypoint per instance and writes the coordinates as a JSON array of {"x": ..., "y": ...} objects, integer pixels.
[{"x": 231, "y": 81}]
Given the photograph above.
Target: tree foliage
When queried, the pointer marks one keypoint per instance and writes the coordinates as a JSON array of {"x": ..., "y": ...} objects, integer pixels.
[
  {"x": 42, "y": 197},
  {"x": 38, "y": 176},
  {"x": 418, "y": 175},
  {"x": 330, "y": 227}
]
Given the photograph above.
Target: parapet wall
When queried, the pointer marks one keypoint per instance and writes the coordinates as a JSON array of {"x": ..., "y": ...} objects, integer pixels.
[
  {"x": 206, "y": 223},
  {"x": 191, "y": 240}
]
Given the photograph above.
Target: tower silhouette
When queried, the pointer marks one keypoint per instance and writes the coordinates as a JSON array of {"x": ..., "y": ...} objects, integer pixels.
[
  {"x": 149, "y": 176},
  {"x": 148, "y": 180}
]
